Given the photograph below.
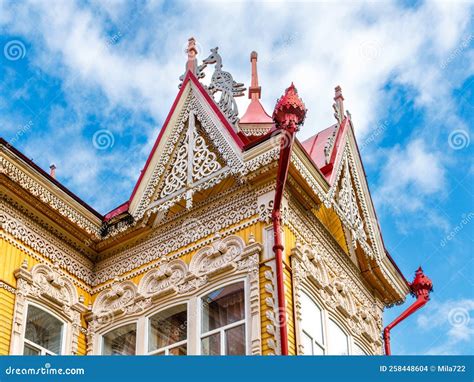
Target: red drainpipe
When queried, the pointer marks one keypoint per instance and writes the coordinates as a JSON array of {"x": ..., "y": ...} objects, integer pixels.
[
  {"x": 420, "y": 288},
  {"x": 288, "y": 115}
]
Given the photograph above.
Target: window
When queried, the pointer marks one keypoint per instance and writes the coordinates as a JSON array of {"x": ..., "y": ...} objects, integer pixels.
[
  {"x": 168, "y": 332},
  {"x": 357, "y": 350},
  {"x": 120, "y": 341},
  {"x": 337, "y": 340},
  {"x": 311, "y": 327},
  {"x": 43, "y": 333},
  {"x": 223, "y": 321}
]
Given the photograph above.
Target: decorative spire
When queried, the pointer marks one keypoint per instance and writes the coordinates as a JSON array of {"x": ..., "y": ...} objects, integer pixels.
[
  {"x": 290, "y": 110},
  {"x": 191, "y": 64},
  {"x": 255, "y": 91},
  {"x": 338, "y": 105},
  {"x": 192, "y": 53},
  {"x": 255, "y": 121}
]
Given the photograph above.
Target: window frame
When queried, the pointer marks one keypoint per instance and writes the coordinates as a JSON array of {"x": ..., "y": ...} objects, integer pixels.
[
  {"x": 166, "y": 349},
  {"x": 200, "y": 335},
  {"x": 326, "y": 316},
  {"x": 324, "y": 345},
  {"x": 193, "y": 309},
  {"x": 349, "y": 338},
  {"x": 118, "y": 326},
  {"x": 43, "y": 350}
]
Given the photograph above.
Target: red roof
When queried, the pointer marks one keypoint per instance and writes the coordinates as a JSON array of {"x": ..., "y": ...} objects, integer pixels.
[
  {"x": 255, "y": 114},
  {"x": 314, "y": 146}
]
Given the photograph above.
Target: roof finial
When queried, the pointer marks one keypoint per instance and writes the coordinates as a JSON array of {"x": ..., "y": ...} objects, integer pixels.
[
  {"x": 192, "y": 52},
  {"x": 255, "y": 121},
  {"x": 255, "y": 91},
  {"x": 338, "y": 105},
  {"x": 290, "y": 110},
  {"x": 191, "y": 63}
]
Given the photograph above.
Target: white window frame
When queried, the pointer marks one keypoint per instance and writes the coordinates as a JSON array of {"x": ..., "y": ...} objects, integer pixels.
[
  {"x": 324, "y": 345},
  {"x": 222, "y": 329},
  {"x": 43, "y": 351},
  {"x": 326, "y": 315},
  {"x": 111, "y": 329},
  {"x": 166, "y": 349}
]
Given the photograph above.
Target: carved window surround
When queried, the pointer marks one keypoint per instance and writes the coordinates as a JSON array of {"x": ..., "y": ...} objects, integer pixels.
[
  {"x": 311, "y": 275},
  {"x": 51, "y": 290},
  {"x": 172, "y": 282}
]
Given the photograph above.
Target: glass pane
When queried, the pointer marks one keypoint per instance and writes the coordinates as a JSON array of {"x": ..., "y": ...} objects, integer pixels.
[
  {"x": 30, "y": 350},
  {"x": 317, "y": 350},
  {"x": 120, "y": 341},
  {"x": 44, "y": 329},
  {"x": 235, "y": 340},
  {"x": 357, "y": 350},
  {"x": 311, "y": 321},
  {"x": 179, "y": 350},
  {"x": 337, "y": 340},
  {"x": 167, "y": 327},
  {"x": 159, "y": 353},
  {"x": 211, "y": 345},
  {"x": 307, "y": 343},
  {"x": 223, "y": 306}
]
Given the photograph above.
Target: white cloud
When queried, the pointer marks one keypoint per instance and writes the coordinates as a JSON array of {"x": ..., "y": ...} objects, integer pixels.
[
  {"x": 361, "y": 54},
  {"x": 359, "y": 46},
  {"x": 452, "y": 319},
  {"x": 409, "y": 175}
]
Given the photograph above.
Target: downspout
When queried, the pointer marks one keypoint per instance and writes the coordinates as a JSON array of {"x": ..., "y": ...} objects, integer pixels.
[
  {"x": 288, "y": 115},
  {"x": 420, "y": 288}
]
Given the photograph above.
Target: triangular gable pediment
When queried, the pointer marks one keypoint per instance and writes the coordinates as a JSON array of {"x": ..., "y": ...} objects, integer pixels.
[
  {"x": 195, "y": 150},
  {"x": 350, "y": 197}
]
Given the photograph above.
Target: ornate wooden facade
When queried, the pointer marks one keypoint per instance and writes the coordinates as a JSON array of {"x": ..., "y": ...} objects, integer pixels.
[{"x": 199, "y": 218}]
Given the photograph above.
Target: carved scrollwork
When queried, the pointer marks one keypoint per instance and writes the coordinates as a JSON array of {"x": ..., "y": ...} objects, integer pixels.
[
  {"x": 218, "y": 257},
  {"x": 115, "y": 299},
  {"x": 309, "y": 265},
  {"x": 48, "y": 286},
  {"x": 342, "y": 297},
  {"x": 167, "y": 278}
]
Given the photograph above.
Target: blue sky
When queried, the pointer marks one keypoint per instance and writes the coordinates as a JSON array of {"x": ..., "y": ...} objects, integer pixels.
[{"x": 86, "y": 85}]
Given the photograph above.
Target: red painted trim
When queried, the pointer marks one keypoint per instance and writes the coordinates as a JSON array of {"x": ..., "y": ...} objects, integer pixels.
[
  {"x": 117, "y": 211},
  {"x": 48, "y": 177},
  {"x": 282, "y": 176},
  {"x": 216, "y": 110},
  {"x": 375, "y": 212},
  {"x": 298, "y": 143},
  {"x": 189, "y": 77}
]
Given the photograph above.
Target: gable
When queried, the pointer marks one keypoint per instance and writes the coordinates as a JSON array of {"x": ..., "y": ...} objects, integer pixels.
[
  {"x": 351, "y": 200},
  {"x": 196, "y": 149}
]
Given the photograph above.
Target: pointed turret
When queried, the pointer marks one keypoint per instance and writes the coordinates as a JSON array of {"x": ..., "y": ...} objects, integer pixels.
[{"x": 255, "y": 121}]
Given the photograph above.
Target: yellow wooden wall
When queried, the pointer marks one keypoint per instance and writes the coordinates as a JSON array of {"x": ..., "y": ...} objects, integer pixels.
[
  {"x": 11, "y": 258},
  {"x": 7, "y": 301}
]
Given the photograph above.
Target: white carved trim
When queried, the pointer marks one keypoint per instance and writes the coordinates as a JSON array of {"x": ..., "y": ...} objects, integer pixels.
[
  {"x": 334, "y": 295},
  {"x": 174, "y": 278},
  {"x": 52, "y": 290}
]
